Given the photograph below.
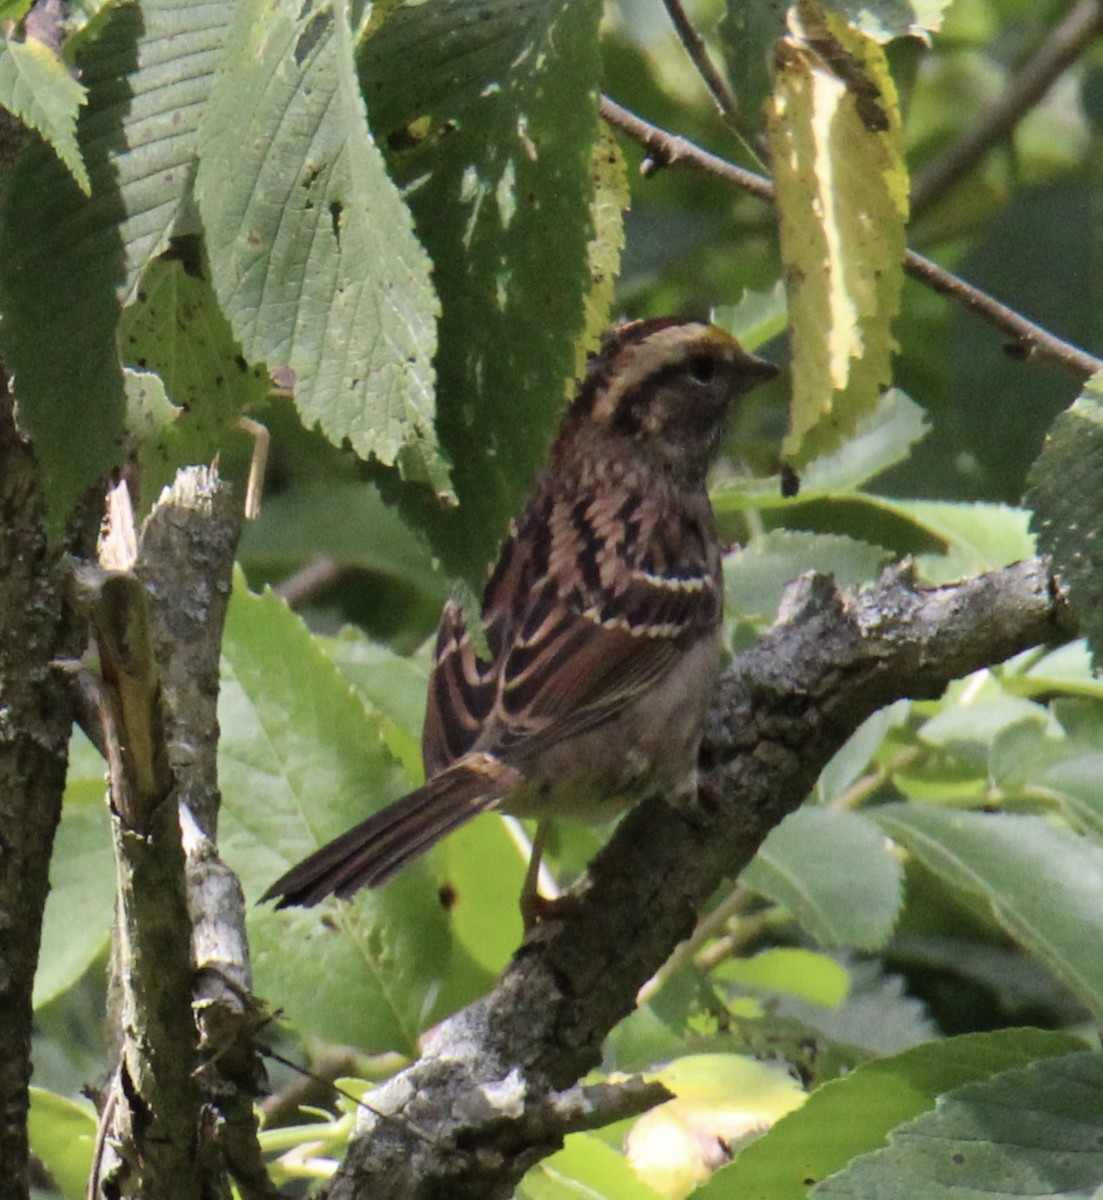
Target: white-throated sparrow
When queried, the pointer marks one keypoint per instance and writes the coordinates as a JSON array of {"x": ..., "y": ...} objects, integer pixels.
[{"x": 602, "y": 618}]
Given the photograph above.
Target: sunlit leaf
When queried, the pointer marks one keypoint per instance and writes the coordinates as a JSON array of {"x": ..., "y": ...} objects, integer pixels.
[
  {"x": 37, "y": 87},
  {"x": 312, "y": 249},
  {"x": 837, "y": 154}
]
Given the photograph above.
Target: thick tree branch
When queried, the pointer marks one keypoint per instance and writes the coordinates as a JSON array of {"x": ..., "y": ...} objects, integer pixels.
[
  {"x": 472, "y": 1115},
  {"x": 181, "y": 911},
  {"x": 40, "y": 632},
  {"x": 1069, "y": 39},
  {"x": 1034, "y": 342}
]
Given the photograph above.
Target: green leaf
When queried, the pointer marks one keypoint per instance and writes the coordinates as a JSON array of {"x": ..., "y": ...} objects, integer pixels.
[
  {"x": 176, "y": 330},
  {"x": 301, "y": 759},
  {"x": 485, "y": 909},
  {"x": 747, "y": 35},
  {"x": 756, "y": 576},
  {"x": 834, "y": 872},
  {"x": 146, "y": 73},
  {"x": 980, "y": 719},
  {"x": 855, "y": 1113},
  {"x": 881, "y": 439},
  {"x": 80, "y": 908},
  {"x": 849, "y": 762},
  {"x": 585, "y": 1169},
  {"x": 813, "y": 977},
  {"x": 1064, "y": 487},
  {"x": 1041, "y": 881},
  {"x": 756, "y": 319},
  {"x": 488, "y": 110},
  {"x": 1067, "y": 669},
  {"x": 394, "y": 685},
  {"x": 312, "y": 249},
  {"x": 36, "y": 86},
  {"x": 610, "y": 199},
  {"x": 348, "y": 521},
  {"x": 1026, "y": 1132},
  {"x": 836, "y": 146},
  {"x": 977, "y": 537},
  {"x": 62, "y": 1135}
]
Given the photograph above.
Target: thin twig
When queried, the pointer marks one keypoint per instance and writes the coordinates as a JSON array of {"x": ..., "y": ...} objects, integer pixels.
[
  {"x": 1067, "y": 41},
  {"x": 723, "y": 97},
  {"x": 1032, "y": 341},
  {"x": 1036, "y": 343}
]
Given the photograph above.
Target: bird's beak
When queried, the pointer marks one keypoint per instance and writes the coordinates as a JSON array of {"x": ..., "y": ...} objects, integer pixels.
[{"x": 757, "y": 370}]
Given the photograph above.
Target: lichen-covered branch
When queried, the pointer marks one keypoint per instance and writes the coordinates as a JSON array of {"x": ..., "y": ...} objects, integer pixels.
[
  {"x": 471, "y": 1116},
  {"x": 180, "y": 1108}
]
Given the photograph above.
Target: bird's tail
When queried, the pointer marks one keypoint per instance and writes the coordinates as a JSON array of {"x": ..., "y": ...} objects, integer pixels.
[{"x": 371, "y": 852}]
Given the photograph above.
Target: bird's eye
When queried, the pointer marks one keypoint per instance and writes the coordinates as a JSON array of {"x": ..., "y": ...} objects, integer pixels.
[{"x": 702, "y": 368}]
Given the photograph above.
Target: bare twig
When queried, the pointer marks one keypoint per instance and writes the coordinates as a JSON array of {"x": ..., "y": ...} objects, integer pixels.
[
  {"x": 1065, "y": 43},
  {"x": 669, "y": 150},
  {"x": 310, "y": 579},
  {"x": 723, "y": 97},
  {"x": 1034, "y": 342}
]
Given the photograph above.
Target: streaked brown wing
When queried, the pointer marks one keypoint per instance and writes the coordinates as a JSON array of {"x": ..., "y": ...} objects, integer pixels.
[
  {"x": 609, "y": 624},
  {"x": 462, "y": 690}
]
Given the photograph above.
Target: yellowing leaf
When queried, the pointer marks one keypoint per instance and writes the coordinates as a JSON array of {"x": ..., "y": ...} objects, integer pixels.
[
  {"x": 610, "y": 200},
  {"x": 836, "y": 148},
  {"x": 720, "y": 1099}
]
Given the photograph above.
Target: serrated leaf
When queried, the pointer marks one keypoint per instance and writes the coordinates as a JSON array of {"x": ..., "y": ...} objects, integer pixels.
[
  {"x": 300, "y": 760},
  {"x": 1044, "y": 883},
  {"x": 62, "y": 1135},
  {"x": 312, "y": 250},
  {"x": 842, "y": 194},
  {"x": 146, "y": 73},
  {"x": 1064, "y": 487},
  {"x": 36, "y": 86},
  {"x": 175, "y": 330},
  {"x": 1067, "y": 669},
  {"x": 1026, "y": 1132},
  {"x": 977, "y": 537},
  {"x": 854, "y": 1114},
  {"x": 880, "y": 440},
  {"x": 836, "y": 875},
  {"x": 758, "y": 317},
  {"x": 607, "y": 208},
  {"x": 488, "y": 110}
]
